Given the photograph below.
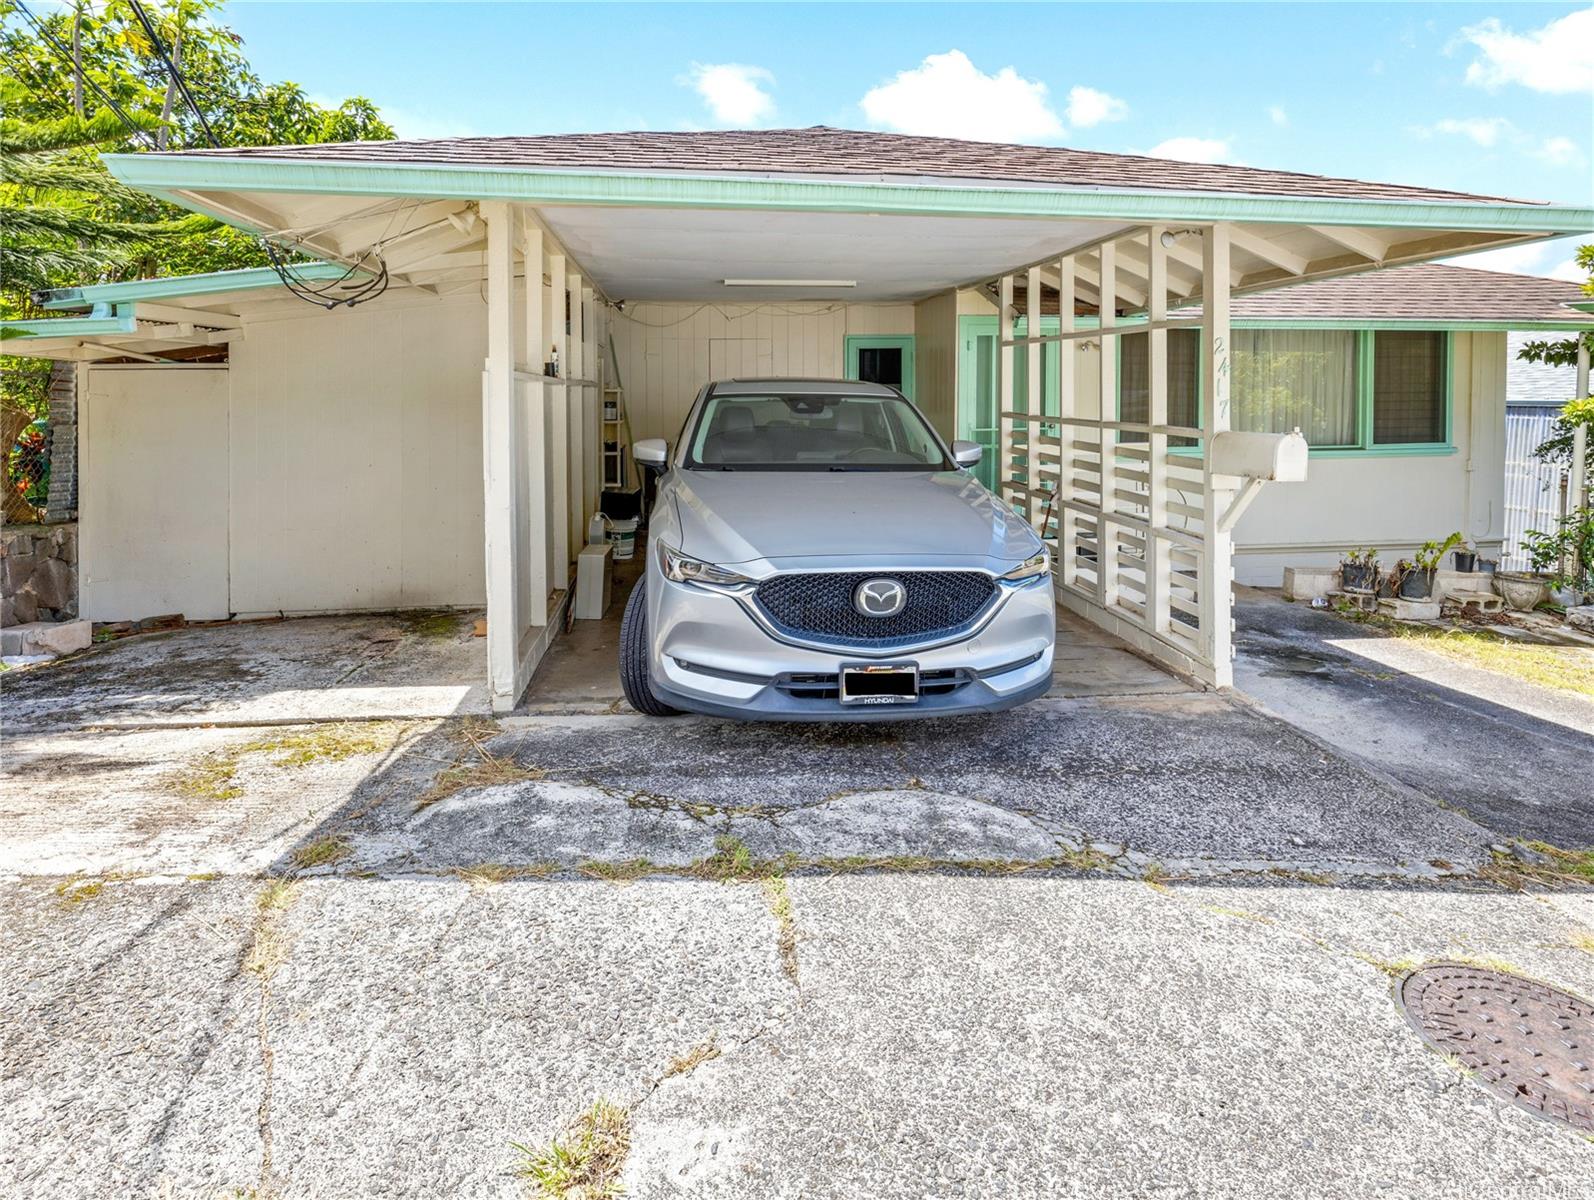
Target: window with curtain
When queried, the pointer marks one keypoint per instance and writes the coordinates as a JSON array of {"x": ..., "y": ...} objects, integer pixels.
[
  {"x": 1408, "y": 388},
  {"x": 1134, "y": 381},
  {"x": 1287, "y": 378}
]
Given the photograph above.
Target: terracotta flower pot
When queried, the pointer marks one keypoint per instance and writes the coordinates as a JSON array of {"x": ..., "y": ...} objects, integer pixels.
[{"x": 1521, "y": 592}]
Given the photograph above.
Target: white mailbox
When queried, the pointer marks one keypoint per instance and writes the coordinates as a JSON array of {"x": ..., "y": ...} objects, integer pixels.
[{"x": 1276, "y": 457}]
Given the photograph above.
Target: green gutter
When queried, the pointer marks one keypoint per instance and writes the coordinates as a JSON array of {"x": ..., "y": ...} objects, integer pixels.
[
  {"x": 69, "y": 327},
  {"x": 164, "y": 174},
  {"x": 182, "y": 285}
]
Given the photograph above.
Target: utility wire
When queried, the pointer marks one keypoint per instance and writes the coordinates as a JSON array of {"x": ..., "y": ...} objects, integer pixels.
[
  {"x": 66, "y": 57},
  {"x": 331, "y": 294}
]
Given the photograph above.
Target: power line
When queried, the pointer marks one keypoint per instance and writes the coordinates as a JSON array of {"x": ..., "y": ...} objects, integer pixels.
[
  {"x": 175, "y": 74},
  {"x": 66, "y": 56},
  {"x": 325, "y": 295}
]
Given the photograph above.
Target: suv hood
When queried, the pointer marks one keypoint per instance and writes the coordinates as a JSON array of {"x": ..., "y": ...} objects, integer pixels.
[{"x": 891, "y": 518}]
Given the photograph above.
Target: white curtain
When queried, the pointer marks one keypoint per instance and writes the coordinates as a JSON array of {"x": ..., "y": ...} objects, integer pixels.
[{"x": 1285, "y": 378}]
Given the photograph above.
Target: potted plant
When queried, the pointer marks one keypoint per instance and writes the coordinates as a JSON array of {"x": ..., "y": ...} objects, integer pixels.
[
  {"x": 1414, "y": 577},
  {"x": 1465, "y": 558},
  {"x": 1358, "y": 570},
  {"x": 1562, "y": 559}
]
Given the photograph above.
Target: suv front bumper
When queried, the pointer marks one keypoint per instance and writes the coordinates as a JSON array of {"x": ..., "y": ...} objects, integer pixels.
[{"x": 710, "y": 655}]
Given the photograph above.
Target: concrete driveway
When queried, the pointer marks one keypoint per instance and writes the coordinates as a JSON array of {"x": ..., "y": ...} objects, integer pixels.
[{"x": 1133, "y": 939}]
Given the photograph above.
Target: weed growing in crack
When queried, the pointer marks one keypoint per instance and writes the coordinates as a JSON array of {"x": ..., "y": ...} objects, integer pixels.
[
  {"x": 484, "y": 875},
  {"x": 77, "y": 890},
  {"x": 215, "y": 776},
  {"x": 478, "y": 767},
  {"x": 268, "y": 947},
  {"x": 778, "y": 897},
  {"x": 586, "y": 1161},
  {"x": 322, "y": 852},
  {"x": 685, "y": 1064}
]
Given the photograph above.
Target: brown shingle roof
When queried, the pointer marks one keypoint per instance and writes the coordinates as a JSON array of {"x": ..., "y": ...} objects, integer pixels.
[
  {"x": 821, "y": 150},
  {"x": 1424, "y": 291}
]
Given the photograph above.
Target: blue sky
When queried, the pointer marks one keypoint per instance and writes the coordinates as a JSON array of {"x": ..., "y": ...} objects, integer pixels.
[{"x": 1492, "y": 98}]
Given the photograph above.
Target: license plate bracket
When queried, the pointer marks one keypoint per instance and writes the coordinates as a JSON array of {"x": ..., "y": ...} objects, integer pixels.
[{"x": 880, "y": 683}]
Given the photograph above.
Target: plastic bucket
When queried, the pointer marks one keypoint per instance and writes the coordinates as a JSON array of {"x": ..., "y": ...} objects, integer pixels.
[{"x": 622, "y": 535}]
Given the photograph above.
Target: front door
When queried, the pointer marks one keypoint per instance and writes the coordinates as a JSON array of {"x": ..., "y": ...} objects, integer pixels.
[{"x": 887, "y": 360}]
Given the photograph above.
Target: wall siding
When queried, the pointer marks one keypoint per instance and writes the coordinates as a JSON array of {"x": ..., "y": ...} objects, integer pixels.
[
  {"x": 356, "y": 477},
  {"x": 667, "y": 352}
]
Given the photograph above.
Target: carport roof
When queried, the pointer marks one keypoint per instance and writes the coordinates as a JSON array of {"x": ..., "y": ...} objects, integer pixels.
[{"x": 822, "y": 150}]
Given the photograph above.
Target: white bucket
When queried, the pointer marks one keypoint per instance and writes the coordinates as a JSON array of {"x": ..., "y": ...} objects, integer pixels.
[{"x": 622, "y": 535}]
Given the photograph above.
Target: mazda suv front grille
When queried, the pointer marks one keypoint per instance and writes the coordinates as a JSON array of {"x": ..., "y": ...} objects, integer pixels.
[{"x": 819, "y": 606}]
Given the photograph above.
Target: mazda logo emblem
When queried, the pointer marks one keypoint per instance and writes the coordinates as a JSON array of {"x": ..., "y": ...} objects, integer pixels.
[{"x": 879, "y": 597}]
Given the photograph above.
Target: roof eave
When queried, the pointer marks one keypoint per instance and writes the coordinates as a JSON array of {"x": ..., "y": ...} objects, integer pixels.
[{"x": 167, "y": 175}]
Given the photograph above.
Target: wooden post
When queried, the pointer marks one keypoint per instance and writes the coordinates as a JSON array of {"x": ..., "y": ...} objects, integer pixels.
[
  {"x": 1217, "y": 546},
  {"x": 1004, "y": 390},
  {"x": 1067, "y": 565},
  {"x": 498, "y": 440},
  {"x": 576, "y": 399},
  {"x": 536, "y": 430},
  {"x": 592, "y": 400},
  {"x": 1106, "y": 530},
  {"x": 1036, "y": 396},
  {"x": 1157, "y": 558},
  {"x": 559, "y": 430}
]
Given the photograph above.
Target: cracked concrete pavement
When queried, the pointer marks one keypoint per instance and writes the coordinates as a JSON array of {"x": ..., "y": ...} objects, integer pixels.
[{"x": 1038, "y": 1021}]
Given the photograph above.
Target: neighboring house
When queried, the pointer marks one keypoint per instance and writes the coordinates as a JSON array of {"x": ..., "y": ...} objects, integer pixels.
[
  {"x": 244, "y": 452},
  {"x": 1534, "y": 490}
]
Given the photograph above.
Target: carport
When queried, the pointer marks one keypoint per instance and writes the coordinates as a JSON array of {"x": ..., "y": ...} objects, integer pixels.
[{"x": 557, "y": 234}]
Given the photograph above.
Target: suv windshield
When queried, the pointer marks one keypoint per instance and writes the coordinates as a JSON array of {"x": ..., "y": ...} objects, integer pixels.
[{"x": 813, "y": 433}]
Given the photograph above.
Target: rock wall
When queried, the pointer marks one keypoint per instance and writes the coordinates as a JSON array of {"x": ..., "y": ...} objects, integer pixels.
[{"x": 38, "y": 573}]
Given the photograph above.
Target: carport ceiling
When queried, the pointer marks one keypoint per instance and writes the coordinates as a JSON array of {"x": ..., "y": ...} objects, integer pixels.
[{"x": 687, "y": 254}]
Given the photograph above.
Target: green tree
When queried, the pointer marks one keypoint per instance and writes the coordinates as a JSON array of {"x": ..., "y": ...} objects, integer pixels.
[{"x": 1562, "y": 352}]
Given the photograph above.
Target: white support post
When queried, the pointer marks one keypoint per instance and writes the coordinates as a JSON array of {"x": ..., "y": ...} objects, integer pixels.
[
  {"x": 1035, "y": 394},
  {"x": 1106, "y": 528},
  {"x": 1158, "y": 574},
  {"x": 536, "y": 431},
  {"x": 1004, "y": 388},
  {"x": 1217, "y": 545},
  {"x": 559, "y": 431},
  {"x": 1067, "y": 408},
  {"x": 592, "y": 400},
  {"x": 498, "y": 441},
  {"x": 1578, "y": 490},
  {"x": 576, "y": 400}
]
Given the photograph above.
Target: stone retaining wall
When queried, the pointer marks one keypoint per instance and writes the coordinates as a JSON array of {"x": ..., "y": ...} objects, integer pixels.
[{"x": 38, "y": 573}]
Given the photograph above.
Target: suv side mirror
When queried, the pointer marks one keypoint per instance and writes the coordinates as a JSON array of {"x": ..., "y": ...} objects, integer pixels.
[
  {"x": 966, "y": 454},
  {"x": 652, "y": 453}
]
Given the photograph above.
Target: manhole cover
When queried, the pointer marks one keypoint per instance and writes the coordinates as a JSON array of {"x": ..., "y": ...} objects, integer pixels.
[{"x": 1526, "y": 1042}]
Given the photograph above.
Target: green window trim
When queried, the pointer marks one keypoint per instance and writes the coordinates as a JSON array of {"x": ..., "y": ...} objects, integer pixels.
[{"x": 1365, "y": 447}]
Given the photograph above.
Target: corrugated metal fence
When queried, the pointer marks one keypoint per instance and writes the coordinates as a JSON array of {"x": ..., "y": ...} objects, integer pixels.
[{"x": 1533, "y": 488}]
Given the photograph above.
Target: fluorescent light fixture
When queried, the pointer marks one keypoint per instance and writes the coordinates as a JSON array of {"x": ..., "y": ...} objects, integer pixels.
[{"x": 807, "y": 283}]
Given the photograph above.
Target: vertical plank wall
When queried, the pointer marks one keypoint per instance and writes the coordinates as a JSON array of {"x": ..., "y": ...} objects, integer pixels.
[{"x": 667, "y": 352}]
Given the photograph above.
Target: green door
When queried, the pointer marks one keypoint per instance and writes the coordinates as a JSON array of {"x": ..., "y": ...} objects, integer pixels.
[
  {"x": 887, "y": 360},
  {"x": 977, "y": 401}
]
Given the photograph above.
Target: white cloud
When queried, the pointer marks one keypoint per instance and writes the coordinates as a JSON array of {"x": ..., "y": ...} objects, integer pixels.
[
  {"x": 1558, "y": 58},
  {"x": 1570, "y": 271},
  {"x": 1558, "y": 152},
  {"x": 1193, "y": 149},
  {"x": 1277, "y": 114},
  {"x": 734, "y": 92},
  {"x": 947, "y": 95},
  {"x": 1485, "y": 131},
  {"x": 1087, "y": 106},
  {"x": 1552, "y": 260}
]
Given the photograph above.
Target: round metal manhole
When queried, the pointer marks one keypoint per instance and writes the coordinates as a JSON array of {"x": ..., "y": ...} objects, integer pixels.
[{"x": 1526, "y": 1042}]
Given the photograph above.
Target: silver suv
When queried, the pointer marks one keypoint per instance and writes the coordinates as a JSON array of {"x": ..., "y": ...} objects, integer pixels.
[{"x": 816, "y": 553}]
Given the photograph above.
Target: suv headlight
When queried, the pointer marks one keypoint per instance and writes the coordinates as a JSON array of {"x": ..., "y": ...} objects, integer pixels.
[
  {"x": 1031, "y": 568},
  {"x": 684, "y": 569}
]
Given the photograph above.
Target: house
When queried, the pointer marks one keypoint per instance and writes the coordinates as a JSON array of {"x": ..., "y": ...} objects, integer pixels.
[{"x": 252, "y": 443}]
